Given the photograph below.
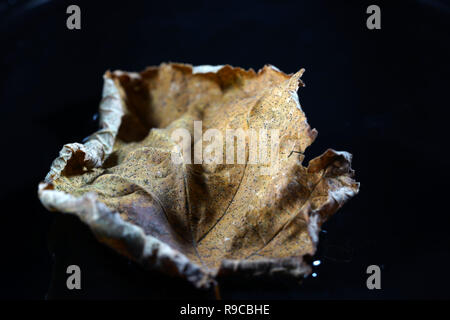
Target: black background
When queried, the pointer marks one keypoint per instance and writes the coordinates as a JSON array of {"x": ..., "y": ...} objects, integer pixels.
[{"x": 380, "y": 94}]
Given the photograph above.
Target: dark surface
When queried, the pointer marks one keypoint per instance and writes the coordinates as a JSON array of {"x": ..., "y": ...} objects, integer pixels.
[{"x": 381, "y": 95}]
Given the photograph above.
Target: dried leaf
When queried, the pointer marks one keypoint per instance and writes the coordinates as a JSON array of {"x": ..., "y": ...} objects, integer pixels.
[{"x": 201, "y": 220}]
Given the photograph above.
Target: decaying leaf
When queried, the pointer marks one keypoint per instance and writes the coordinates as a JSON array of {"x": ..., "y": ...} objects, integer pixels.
[{"x": 200, "y": 220}]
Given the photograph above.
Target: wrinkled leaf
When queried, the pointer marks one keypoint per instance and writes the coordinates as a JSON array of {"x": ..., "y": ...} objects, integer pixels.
[{"x": 200, "y": 220}]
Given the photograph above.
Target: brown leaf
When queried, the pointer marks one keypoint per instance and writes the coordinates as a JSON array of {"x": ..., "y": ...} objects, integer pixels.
[{"x": 201, "y": 220}]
